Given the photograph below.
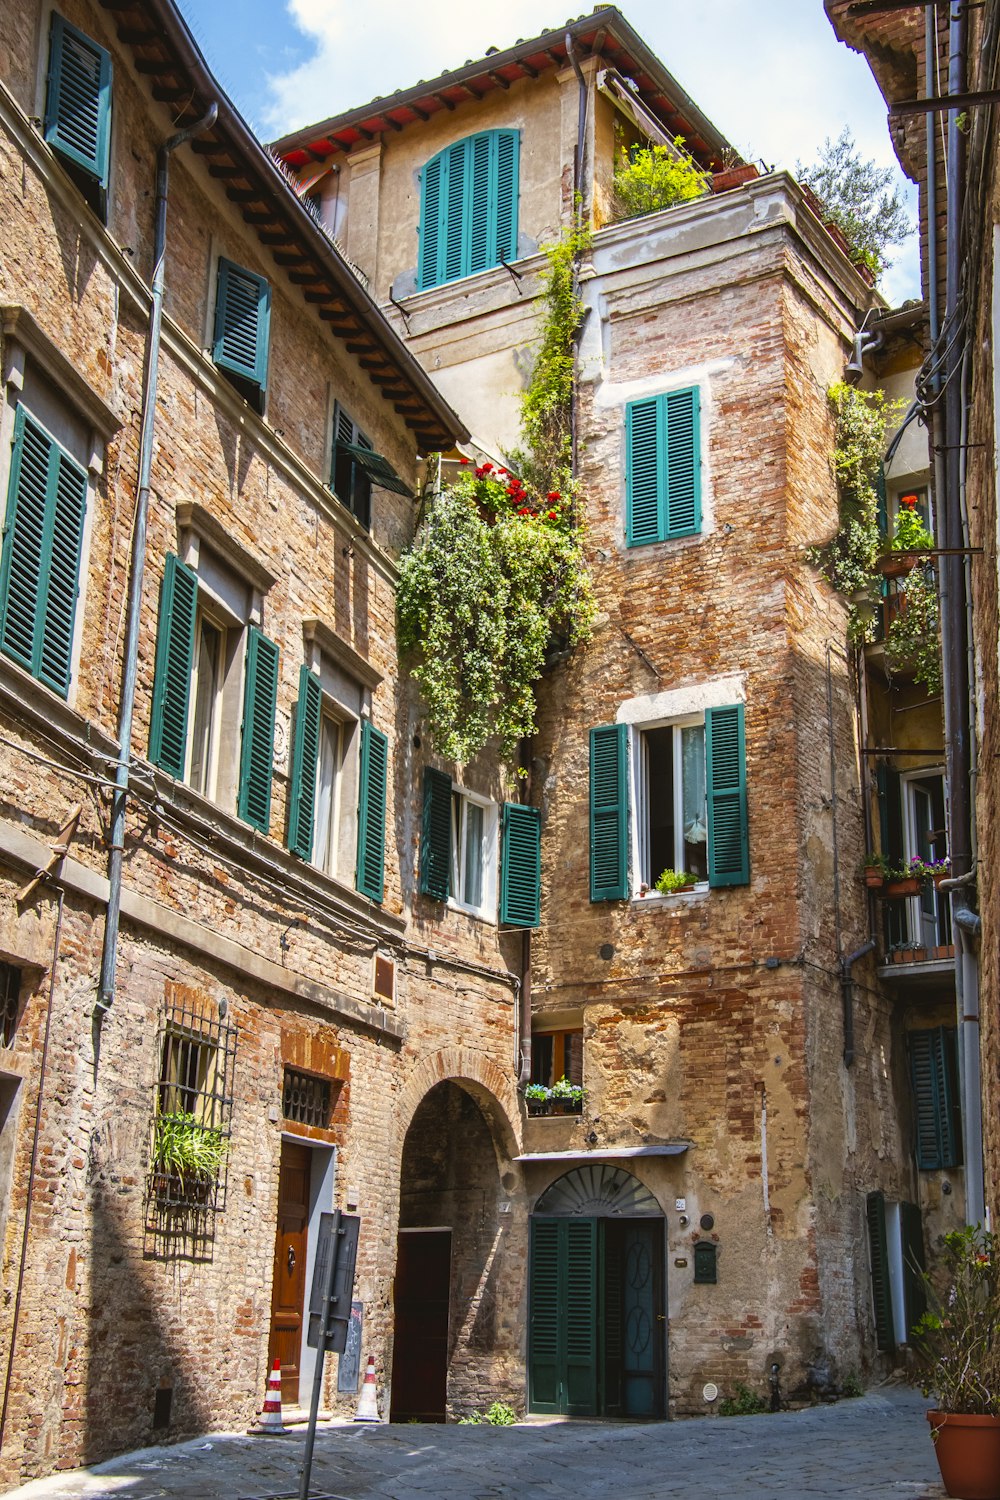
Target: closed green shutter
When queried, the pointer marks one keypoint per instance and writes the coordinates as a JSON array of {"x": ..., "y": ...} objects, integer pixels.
[
  {"x": 305, "y": 758},
  {"x": 174, "y": 661},
  {"x": 260, "y": 696},
  {"x": 40, "y": 566},
  {"x": 468, "y": 207},
  {"x": 562, "y": 1318},
  {"x": 78, "y": 102},
  {"x": 662, "y": 467},
  {"x": 242, "y": 323},
  {"x": 890, "y": 811},
  {"x": 914, "y": 1286},
  {"x": 933, "y": 1075},
  {"x": 521, "y": 865},
  {"x": 371, "y": 812},
  {"x": 882, "y": 505},
  {"x": 435, "y": 841},
  {"x": 728, "y": 837},
  {"x": 609, "y": 813},
  {"x": 881, "y": 1292}
]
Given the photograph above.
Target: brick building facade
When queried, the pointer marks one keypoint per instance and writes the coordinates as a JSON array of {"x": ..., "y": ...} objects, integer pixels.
[{"x": 281, "y": 993}]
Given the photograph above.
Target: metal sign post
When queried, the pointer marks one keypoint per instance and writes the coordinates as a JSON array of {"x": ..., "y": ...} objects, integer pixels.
[{"x": 329, "y": 1311}]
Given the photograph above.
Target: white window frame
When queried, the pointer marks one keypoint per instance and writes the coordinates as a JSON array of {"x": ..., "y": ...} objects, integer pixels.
[
  {"x": 338, "y": 812},
  {"x": 643, "y": 877},
  {"x": 487, "y": 906}
]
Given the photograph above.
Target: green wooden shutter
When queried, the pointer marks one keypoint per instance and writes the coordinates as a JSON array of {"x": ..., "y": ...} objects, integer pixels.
[
  {"x": 242, "y": 323},
  {"x": 174, "y": 662},
  {"x": 506, "y": 143},
  {"x": 456, "y": 204},
  {"x": 40, "y": 564},
  {"x": 430, "y": 221},
  {"x": 609, "y": 813},
  {"x": 728, "y": 835},
  {"x": 305, "y": 758},
  {"x": 435, "y": 841},
  {"x": 890, "y": 811},
  {"x": 914, "y": 1264},
  {"x": 260, "y": 696},
  {"x": 885, "y": 1338},
  {"x": 882, "y": 504},
  {"x": 679, "y": 425},
  {"x": 481, "y": 225},
  {"x": 933, "y": 1075},
  {"x": 642, "y": 461},
  {"x": 521, "y": 865},
  {"x": 371, "y": 812},
  {"x": 78, "y": 100},
  {"x": 562, "y": 1326}
]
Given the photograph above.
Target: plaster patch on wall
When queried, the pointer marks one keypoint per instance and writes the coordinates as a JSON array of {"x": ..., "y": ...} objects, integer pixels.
[{"x": 679, "y": 702}]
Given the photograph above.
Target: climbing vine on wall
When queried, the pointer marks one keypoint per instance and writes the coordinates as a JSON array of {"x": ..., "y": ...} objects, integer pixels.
[{"x": 496, "y": 577}]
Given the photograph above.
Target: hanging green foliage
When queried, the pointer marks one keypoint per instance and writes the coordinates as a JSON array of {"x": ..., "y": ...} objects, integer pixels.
[
  {"x": 912, "y": 642},
  {"x": 496, "y": 579}
]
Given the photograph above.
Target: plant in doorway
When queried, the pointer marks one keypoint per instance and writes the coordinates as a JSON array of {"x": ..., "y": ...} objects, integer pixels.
[{"x": 956, "y": 1341}]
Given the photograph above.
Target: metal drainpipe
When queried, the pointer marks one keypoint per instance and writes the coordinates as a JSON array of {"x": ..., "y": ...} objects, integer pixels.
[
  {"x": 578, "y": 220},
  {"x": 524, "y": 997},
  {"x": 109, "y": 952},
  {"x": 930, "y": 69}
]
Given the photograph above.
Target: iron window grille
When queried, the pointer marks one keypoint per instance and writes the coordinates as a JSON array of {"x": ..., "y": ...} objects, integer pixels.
[
  {"x": 307, "y": 1100},
  {"x": 10, "y": 997},
  {"x": 192, "y": 1119}
]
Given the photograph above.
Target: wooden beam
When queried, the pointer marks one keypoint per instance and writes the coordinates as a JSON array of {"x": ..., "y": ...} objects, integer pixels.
[
  {"x": 210, "y": 148},
  {"x": 132, "y": 36},
  {"x": 447, "y": 103},
  {"x": 499, "y": 80},
  {"x": 258, "y": 216},
  {"x": 150, "y": 67},
  {"x": 527, "y": 68},
  {"x": 244, "y": 195},
  {"x": 164, "y": 94},
  {"x": 228, "y": 172}
]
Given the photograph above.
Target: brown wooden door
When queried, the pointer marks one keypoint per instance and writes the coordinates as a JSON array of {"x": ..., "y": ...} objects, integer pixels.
[
  {"x": 289, "y": 1284},
  {"x": 420, "y": 1342}
]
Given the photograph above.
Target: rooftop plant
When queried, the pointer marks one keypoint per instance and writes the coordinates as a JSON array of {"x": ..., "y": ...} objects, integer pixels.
[{"x": 648, "y": 178}]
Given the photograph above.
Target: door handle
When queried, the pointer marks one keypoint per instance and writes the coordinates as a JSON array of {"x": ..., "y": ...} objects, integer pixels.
[{"x": 291, "y": 1259}]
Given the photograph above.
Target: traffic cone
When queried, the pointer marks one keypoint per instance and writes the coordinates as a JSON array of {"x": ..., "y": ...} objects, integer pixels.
[
  {"x": 270, "y": 1418},
  {"x": 368, "y": 1404}
]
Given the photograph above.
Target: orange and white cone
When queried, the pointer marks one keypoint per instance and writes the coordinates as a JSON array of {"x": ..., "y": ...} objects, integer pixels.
[
  {"x": 270, "y": 1417},
  {"x": 368, "y": 1403}
]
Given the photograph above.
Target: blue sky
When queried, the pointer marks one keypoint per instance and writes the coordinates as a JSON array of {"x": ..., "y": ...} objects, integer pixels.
[{"x": 769, "y": 73}]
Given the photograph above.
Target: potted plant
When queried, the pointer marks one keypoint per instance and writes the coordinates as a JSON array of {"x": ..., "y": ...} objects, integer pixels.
[
  {"x": 910, "y": 538},
  {"x": 537, "y": 1098},
  {"x": 907, "y": 879},
  {"x": 567, "y": 1097},
  {"x": 876, "y": 870},
  {"x": 956, "y": 1341},
  {"x": 673, "y": 881},
  {"x": 187, "y": 1159}
]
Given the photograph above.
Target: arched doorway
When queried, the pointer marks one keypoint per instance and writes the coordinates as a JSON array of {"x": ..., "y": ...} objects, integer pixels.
[
  {"x": 449, "y": 1255},
  {"x": 597, "y": 1338}
]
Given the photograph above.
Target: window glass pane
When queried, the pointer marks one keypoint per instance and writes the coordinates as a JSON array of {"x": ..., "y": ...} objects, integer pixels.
[
  {"x": 473, "y": 882},
  {"x": 660, "y": 802},
  {"x": 327, "y": 786},
  {"x": 208, "y": 680},
  {"x": 457, "y": 832},
  {"x": 693, "y": 803}
]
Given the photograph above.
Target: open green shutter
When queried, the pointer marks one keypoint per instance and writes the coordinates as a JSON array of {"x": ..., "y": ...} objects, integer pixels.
[
  {"x": 305, "y": 758},
  {"x": 430, "y": 221},
  {"x": 435, "y": 840},
  {"x": 728, "y": 838},
  {"x": 882, "y": 504},
  {"x": 885, "y": 1338},
  {"x": 174, "y": 661},
  {"x": 679, "y": 429},
  {"x": 505, "y": 150},
  {"x": 260, "y": 697},
  {"x": 609, "y": 813},
  {"x": 78, "y": 100},
  {"x": 914, "y": 1263},
  {"x": 643, "y": 480},
  {"x": 371, "y": 812},
  {"x": 521, "y": 865},
  {"x": 890, "y": 811},
  {"x": 40, "y": 566},
  {"x": 933, "y": 1072},
  {"x": 242, "y": 323},
  {"x": 456, "y": 196},
  {"x": 481, "y": 226}
]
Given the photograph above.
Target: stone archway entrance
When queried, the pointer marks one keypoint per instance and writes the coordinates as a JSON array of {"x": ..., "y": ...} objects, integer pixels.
[
  {"x": 597, "y": 1331},
  {"x": 449, "y": 1257}
]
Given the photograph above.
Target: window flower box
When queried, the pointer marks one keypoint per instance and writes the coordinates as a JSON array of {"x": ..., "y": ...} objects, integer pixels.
[{"x": 908, "y": 886}]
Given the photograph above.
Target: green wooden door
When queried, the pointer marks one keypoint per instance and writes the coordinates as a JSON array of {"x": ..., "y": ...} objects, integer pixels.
[
  {"x": 641, "y": 1334},
  {"x": 562, "y": 1319}
]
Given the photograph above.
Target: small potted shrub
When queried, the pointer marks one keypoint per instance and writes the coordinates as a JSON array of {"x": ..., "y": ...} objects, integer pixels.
[
  {"x": 567, "y": 1097},
  {"x": 876, "y": 870},
  {"x": 957, "y": 1343},
  {"x": 909, "y": 538},
  {"x": 673, "y": 881},
  {"x": 537, "y": 1097},
  {"x": 186, "y": 1160}
]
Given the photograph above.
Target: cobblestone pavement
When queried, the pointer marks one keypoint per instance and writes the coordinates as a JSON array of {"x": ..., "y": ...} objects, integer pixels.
[{"x": 875, "y": 1446}]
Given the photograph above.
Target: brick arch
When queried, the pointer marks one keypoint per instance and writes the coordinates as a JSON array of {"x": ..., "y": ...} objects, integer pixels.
[{"x": 493, "y": 1090}]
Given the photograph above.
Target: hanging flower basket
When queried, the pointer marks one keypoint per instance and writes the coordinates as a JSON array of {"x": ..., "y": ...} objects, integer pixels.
[{"x": 874, "y": 879}]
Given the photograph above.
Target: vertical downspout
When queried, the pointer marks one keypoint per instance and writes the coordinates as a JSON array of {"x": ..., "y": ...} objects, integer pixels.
[
  {"x": 579, "y": 218},
  {"x": 109, "y": 952},
  {"x": 954, "y": 647}
]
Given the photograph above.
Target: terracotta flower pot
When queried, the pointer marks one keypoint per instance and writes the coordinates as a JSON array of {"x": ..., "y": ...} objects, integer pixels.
[
  {"x": 908, "y": 887},
  {"x": 874, "y": 879},
  {"x": 968, "y": 1454}
]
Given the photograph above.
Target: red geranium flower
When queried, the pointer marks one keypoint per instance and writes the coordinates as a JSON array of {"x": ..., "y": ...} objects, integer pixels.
[
  {"x": 465, "y": 460},
  {"x": 553, "y": 515},
  {"x": 553, "y": 495}
]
